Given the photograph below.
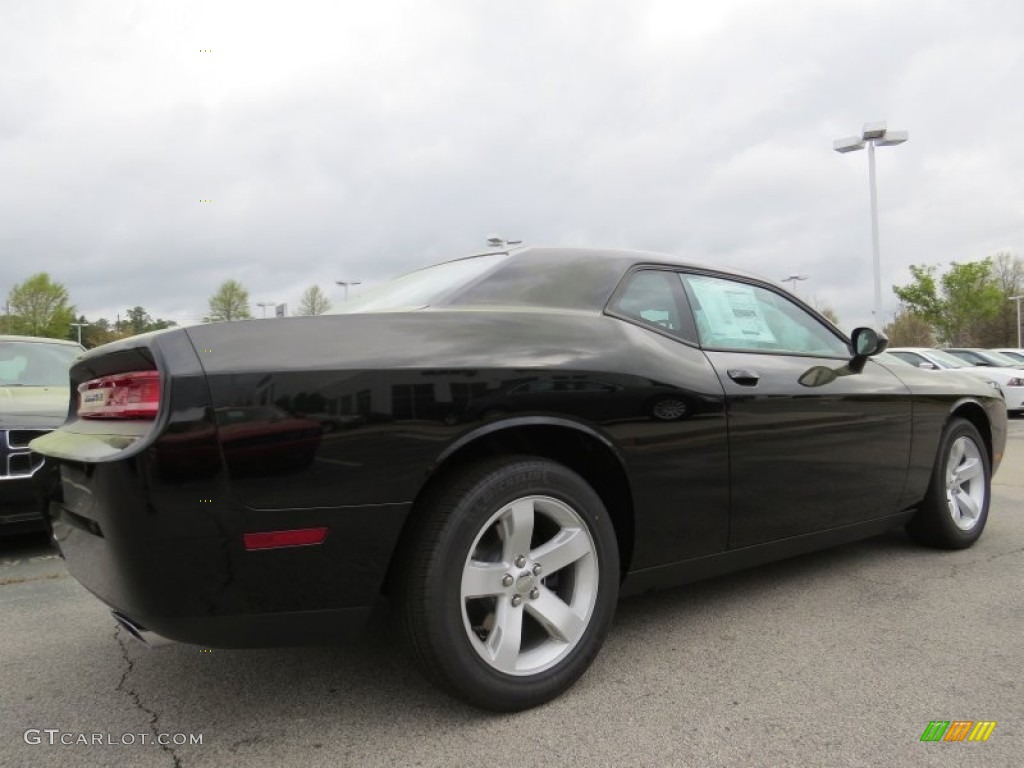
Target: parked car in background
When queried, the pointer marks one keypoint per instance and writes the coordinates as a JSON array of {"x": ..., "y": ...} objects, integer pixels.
[
  {"x": 1012, "y": 353},
  {"x": 1010, "y": 380},
  {"x": 545, "y": 430},
  {"x": 975, "y": 373},
  {"x": 984, "y": 357},
  {"x": 34, "y": 394}
]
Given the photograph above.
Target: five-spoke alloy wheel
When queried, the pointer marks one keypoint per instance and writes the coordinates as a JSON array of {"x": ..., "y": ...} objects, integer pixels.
[
  {"x": 954, "y": 511},
  {"x": 526, "y": 606},
  {"x": 511, "y": 582},
  {"x": 966, "y": 483}
]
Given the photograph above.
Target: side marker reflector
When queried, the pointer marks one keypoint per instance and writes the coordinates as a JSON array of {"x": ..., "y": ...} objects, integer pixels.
[{"x": 302, "y": 537}]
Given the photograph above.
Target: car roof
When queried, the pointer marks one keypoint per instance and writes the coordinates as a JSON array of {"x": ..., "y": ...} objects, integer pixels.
[
  {"x": 575, "y": 279},
  {"x": 39, "y": 340},
  {"x": 624, "y": 256}
]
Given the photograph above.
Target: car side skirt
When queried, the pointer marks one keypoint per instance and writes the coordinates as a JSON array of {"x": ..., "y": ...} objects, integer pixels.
[{"x": 722, "y": 563}]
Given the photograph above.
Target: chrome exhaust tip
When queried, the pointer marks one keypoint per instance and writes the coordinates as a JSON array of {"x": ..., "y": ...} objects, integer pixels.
[{"x": 140, "y": 633}]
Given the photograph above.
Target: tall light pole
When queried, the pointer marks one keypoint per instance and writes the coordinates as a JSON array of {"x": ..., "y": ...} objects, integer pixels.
[
  {"x": 794, "y": 278},
  {"x": 346, "y": 284},
  {"x": 264, "y": 305},
  {"x": 1017, "y": 299},
  {"x": 872, "y": 134}
]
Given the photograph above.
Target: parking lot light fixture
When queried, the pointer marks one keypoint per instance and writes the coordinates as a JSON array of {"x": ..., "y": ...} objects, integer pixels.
[
  {"x": 346, "y": 284},
  {"x": 792, "y": 280},
  {"x": 872, "y": 134},
  {"x": 497, "y": 241}
]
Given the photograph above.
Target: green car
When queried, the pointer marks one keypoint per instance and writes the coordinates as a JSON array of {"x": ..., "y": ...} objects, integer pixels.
[{"x": 34, "y": 394}]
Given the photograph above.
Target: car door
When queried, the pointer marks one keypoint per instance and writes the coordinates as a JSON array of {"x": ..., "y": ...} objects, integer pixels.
[{"x": 813, "y": 443}]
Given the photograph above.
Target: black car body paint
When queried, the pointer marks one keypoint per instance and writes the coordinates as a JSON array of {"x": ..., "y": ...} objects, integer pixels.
[{"x": 700, "y": 473}]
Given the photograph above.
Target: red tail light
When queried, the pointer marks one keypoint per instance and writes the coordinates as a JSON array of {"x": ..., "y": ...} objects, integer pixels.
[{"x": 134, "y": 395}]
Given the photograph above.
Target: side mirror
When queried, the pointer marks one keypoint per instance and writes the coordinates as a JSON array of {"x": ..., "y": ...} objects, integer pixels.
[
  {"x": 868, "y": 342},
  {"x": 928, "y": 366}
]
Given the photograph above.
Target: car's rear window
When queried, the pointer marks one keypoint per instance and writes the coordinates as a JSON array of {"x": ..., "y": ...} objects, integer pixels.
[
  {"x": 424, "y": 287},
  {"x": 545, "y": 278}
]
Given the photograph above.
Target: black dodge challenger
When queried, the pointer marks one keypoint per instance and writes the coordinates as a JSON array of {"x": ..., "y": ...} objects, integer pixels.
[{"x": 498, "y": 447}]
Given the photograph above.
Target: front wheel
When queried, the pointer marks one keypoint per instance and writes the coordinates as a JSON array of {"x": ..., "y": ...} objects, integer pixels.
[
  {"x": 510, "y": 583},
  {"x": 955, "y": 509}
]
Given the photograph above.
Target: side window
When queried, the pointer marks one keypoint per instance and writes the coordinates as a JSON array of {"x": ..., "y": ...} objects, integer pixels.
[
  {"x": 735, "y": 315},
  {"x": 652, "y": 297}
]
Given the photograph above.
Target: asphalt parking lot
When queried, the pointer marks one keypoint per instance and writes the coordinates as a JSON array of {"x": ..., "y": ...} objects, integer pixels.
[{"x": 839, "y": 658}]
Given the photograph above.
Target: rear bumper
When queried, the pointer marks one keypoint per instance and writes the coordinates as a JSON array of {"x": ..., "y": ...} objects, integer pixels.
[
  {"x": 172, "y": 559},
  {"x": 329, "y": 627}
]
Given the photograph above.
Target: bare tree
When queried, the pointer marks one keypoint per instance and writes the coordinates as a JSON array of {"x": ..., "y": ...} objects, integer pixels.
[
  {"x": 314, "y": 301},
  {"x": 1008, "y": 274},
  {"x": 830, "y": 314},
  {"x": 910, "y": 330}
]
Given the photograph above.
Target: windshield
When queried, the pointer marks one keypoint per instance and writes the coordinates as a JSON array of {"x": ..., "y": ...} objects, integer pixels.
[
  {"x": 1004, "y": 360},
  {"x": 422, "y": 288},
  {"x": 35, "y": 364},
  {"x": 889, "y": 357},
  {"x": 947, "y": 360}
]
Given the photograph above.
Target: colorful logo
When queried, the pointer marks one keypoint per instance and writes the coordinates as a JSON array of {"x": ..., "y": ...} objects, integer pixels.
[{"x": 958, "y": 730}]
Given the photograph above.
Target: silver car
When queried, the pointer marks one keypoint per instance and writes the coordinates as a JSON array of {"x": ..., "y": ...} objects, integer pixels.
[
  {"x": 34, "y": 396},
  {"x": 1009, "y": 380}
]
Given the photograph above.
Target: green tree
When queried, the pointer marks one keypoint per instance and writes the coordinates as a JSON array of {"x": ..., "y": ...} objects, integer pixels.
[
  {"x": 909, "y": 330},
  {"x": 139, "y": 321},
  {"x": 314, "y": 301},
  {"x": 958, "y": 305},
  {"x": 40, "y": 307},
  {"x": 230, "y": 302},
  {"x": 97, "y": 332}
]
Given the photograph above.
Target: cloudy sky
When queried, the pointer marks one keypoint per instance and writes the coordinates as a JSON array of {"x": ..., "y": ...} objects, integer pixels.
[{"x": 356, "y": 141}]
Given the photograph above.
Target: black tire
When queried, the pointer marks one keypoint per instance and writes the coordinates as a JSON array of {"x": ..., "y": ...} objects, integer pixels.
[
  {"x": 955, "y": 509},
  {"x": 469, "y": 530}
]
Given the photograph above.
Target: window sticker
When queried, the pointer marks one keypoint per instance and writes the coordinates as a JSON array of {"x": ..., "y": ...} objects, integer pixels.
[{"x": 731, "y": 311}]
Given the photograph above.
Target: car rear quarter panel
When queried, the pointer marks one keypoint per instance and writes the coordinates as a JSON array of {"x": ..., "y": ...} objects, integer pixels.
[{"x": 405, "y": 387}]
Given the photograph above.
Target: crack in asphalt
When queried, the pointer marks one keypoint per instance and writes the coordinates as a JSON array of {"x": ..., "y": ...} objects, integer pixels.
[
  {"x": 154, "y": 717},
  {"x": 1010, "y": 552},
  {"x": 955, "y": 568},
  {"x": 248, "y": 740},
  {"x": 8, "y": 580}
]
